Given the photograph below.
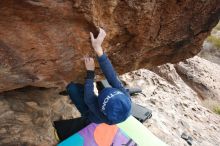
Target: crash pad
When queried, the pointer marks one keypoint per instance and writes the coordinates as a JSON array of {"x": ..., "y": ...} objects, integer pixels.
[
  {"x": 139, "y": 133},
  {"x": 130, "y": 133}
]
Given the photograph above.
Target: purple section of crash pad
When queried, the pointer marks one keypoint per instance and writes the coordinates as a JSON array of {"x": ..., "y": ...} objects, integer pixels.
[
  {"x": 88, "y": 134},
  {"x": 121, "y": 139}
]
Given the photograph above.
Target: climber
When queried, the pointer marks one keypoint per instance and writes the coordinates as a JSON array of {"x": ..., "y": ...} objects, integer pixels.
[{"x": 112, "y": 105}]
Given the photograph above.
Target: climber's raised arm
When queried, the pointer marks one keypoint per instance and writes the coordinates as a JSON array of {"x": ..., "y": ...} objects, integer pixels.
[{"x": 104, "y": 62}]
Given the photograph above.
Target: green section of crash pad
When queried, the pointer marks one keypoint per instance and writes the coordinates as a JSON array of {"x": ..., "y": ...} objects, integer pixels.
[
  {"x": 139, "y": 133},
  {"x": 74, "y": 140}
]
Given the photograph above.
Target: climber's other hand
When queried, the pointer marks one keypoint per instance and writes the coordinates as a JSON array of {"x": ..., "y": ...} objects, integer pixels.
[
  {"x": 89, "y": 63},
  {"x": 97, "y": 42}
]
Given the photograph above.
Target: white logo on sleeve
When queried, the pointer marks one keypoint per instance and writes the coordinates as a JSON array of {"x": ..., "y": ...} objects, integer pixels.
[{"x": 109, "y": 97}]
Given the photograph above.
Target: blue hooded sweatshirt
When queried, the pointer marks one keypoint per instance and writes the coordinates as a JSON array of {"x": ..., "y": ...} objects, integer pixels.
[{"x": 97, "y": 105}]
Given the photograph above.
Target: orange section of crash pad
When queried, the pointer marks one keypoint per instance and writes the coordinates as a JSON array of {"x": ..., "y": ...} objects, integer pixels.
[{"x": 104, "y": 134}]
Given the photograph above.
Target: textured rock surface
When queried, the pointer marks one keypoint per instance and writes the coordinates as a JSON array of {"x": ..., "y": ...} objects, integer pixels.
[
  {"x": 202, "y": 76},
  {"x": 176, "y": 108},
  {"x": 27, "y": 115},
  {"x": 42, "y": 41}
]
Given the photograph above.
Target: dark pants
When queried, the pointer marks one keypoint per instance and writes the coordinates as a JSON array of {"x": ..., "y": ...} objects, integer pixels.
[
  {"x": 76, "y": 94},
  {"x": 66, "y": 128}
]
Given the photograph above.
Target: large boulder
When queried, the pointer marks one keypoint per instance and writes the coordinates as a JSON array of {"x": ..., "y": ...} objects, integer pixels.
[
  {"x": 42, "y": 42},
  {"x": 202, "y": 76},
  {"x": 27, "y": 116},
  {"x": 176, "y": 106}
]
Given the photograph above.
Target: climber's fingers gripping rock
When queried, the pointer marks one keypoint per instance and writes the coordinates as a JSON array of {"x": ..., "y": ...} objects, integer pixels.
[{"x": 97, "y": 42}]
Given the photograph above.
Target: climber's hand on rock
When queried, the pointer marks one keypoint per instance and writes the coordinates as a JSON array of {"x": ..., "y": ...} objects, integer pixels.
[
  {"x": 89, "y": 63},
  {"x": 97, "y": 43}
]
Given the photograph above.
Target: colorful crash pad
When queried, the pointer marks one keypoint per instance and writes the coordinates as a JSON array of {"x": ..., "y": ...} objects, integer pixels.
[{"x": 128, "y": 133}]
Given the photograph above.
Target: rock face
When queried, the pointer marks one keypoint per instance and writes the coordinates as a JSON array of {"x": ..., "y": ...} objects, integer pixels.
[
  {"x": 202, "y": 76},
  {"x": 27, "y": 115},
  {"x": 176, "y": 107},
  {"x": 42, "y": 42}
]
